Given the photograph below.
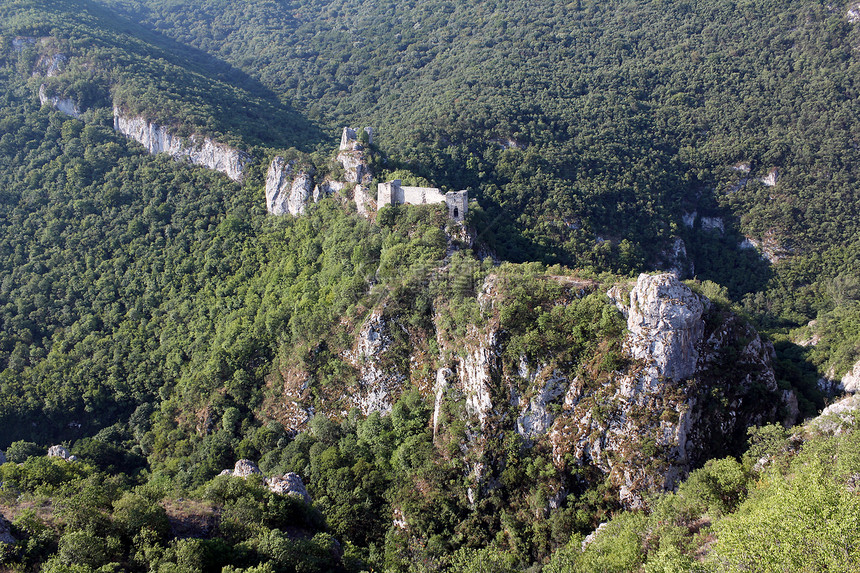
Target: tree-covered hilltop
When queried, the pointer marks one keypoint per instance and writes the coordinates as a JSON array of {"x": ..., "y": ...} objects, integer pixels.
[{"x": 577, "y": 119}]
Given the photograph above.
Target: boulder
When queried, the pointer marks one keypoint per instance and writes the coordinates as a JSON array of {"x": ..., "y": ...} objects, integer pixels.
[
  {"x": 289, "y": 484},
  {"x": 61, "y": 452},
  {"x": 244, "y": 468}
]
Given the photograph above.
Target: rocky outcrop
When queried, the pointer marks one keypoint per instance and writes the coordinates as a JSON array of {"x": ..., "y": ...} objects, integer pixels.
[
  {"x": 64, "y": 105},
  {"x": 853, "y": 14},
  {"x": 771, "y": 178},
  {"x": 199, "y": 150},
  {"x": 242, "y": 469},
  {"x": 475, "y": 371},
  {"x": 851, "y": 380},
  {"x": 289, "y": 484},
  {"x": 664, "y": 320},
  {"x": 692, "y": 386},
  {"x": 683, "y": 384},
  {"x": 288, "y": 189},
  {"x": 768, "y": 248},
  {"x": 674, "y": 259},
  {"x": 535, "y": 418},
  {"x": 380, "y": 379},
  {"x": 356, "y": 170},
  {"x": 61, "y": 452},
  {"x": 50, "y": 65}
]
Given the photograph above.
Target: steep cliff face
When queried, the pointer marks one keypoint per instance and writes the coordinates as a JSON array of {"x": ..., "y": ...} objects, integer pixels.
[
  {"x": 288, "y": 189},
  {"x": 198, "y": 150},
  {"x": 64, "y": 105},
  {"x": 697, "y": 378},
  {"x": 380, "y": 380},
  {"x": 689, "y": 380}
]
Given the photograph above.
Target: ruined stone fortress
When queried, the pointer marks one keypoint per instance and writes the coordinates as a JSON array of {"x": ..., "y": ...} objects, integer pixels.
[{"x": 393, "y": 193}]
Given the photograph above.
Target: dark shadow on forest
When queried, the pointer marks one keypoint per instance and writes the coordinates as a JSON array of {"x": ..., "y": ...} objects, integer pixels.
[{"x": 261, "y": 119}]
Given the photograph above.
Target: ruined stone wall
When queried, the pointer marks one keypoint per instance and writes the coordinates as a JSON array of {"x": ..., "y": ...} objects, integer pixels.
[
  {"x": 458, "y": 204},
  {"x": 422, "y": 195}
]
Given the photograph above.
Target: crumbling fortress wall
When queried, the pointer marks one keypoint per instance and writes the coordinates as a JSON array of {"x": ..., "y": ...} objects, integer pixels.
[{"x": 394, "y": 193}]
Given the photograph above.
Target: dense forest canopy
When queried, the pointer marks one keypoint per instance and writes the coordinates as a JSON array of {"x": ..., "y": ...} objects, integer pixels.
[{"x": 152, "y": 313}]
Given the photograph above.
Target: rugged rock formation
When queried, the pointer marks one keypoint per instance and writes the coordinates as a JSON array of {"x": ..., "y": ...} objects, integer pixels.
[
  {"x": 50, "y": 65},
  {"x": 535, "y": 419},
  {"x": 693, "y": 385},
  {"x": 64, "y": 105},
  {"x": 242, "y": 469},
  {"x": 356, "y": 170},
  {"x": 664, "y": 319},
  {"x": 692, "y": 378},
  {"x": 771, "y": 178},
  {"x": 289, "y": 484},
  {"x": 198, "y": 150},
  {"x": 674, "y": 259},
  {"x": 380, "y": 378},
  {"x": 851, "y": 380},
  {"x": 61, "y": 452},
  {"x": 476, "y": 371},
  {"x": 288, "y": 189}
]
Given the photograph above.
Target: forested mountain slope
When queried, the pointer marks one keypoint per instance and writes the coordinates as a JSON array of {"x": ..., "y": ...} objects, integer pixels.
[
  {"x": 583, "y": 119},
  {"x": 446, "y": 409}
]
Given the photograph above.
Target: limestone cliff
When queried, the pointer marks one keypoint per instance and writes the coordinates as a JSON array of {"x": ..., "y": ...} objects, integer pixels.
[
  {"x": 697, "y": 378},
  {"x": 64, "y": 105},
  {"x": 692, "y": 377},
  {"x": 199, "y": 150},
  {"x": 288, "y": 189}
]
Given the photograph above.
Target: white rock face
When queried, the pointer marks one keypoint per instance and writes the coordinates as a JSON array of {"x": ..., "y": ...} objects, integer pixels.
[
  {"x": 853, "y": 14},
  {"x": 377, "y": 381},
  {"x": 674, "y": 259},
  {"x": 198, "y": 150},
  {"x": 50, "y": 65},
  {"x": 242, "y": 469},
  {"x": 289, "y": 484},
  {"x": 22, "y": 42},
  {"x": 475, "y": 375},
  {"x": 64, "y": 105},
  {"x": 287, "y": 191},
  {"x": 442, "y": 377},
  {"x": 664, "y": 319},
  {"x": 354, "y": 166},
  {"x": 771, "y": 178},
  {"x": 327, "y": 188},
  {"x": 349, "y": 139},
  {"x": 851, "y": 380},
  {"x": 61, "y": 452},
  {"x": 689, "y": 219},
  {"x": 713, "y": 224},
  {"x": 535, "y": 419}
]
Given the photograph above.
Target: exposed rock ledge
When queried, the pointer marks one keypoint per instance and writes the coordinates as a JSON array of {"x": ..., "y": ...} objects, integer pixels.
[
  {"x": 64, "y": 105},
  {"x": 198, "y": 150},
  {"x": 287, "y": 484}
]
